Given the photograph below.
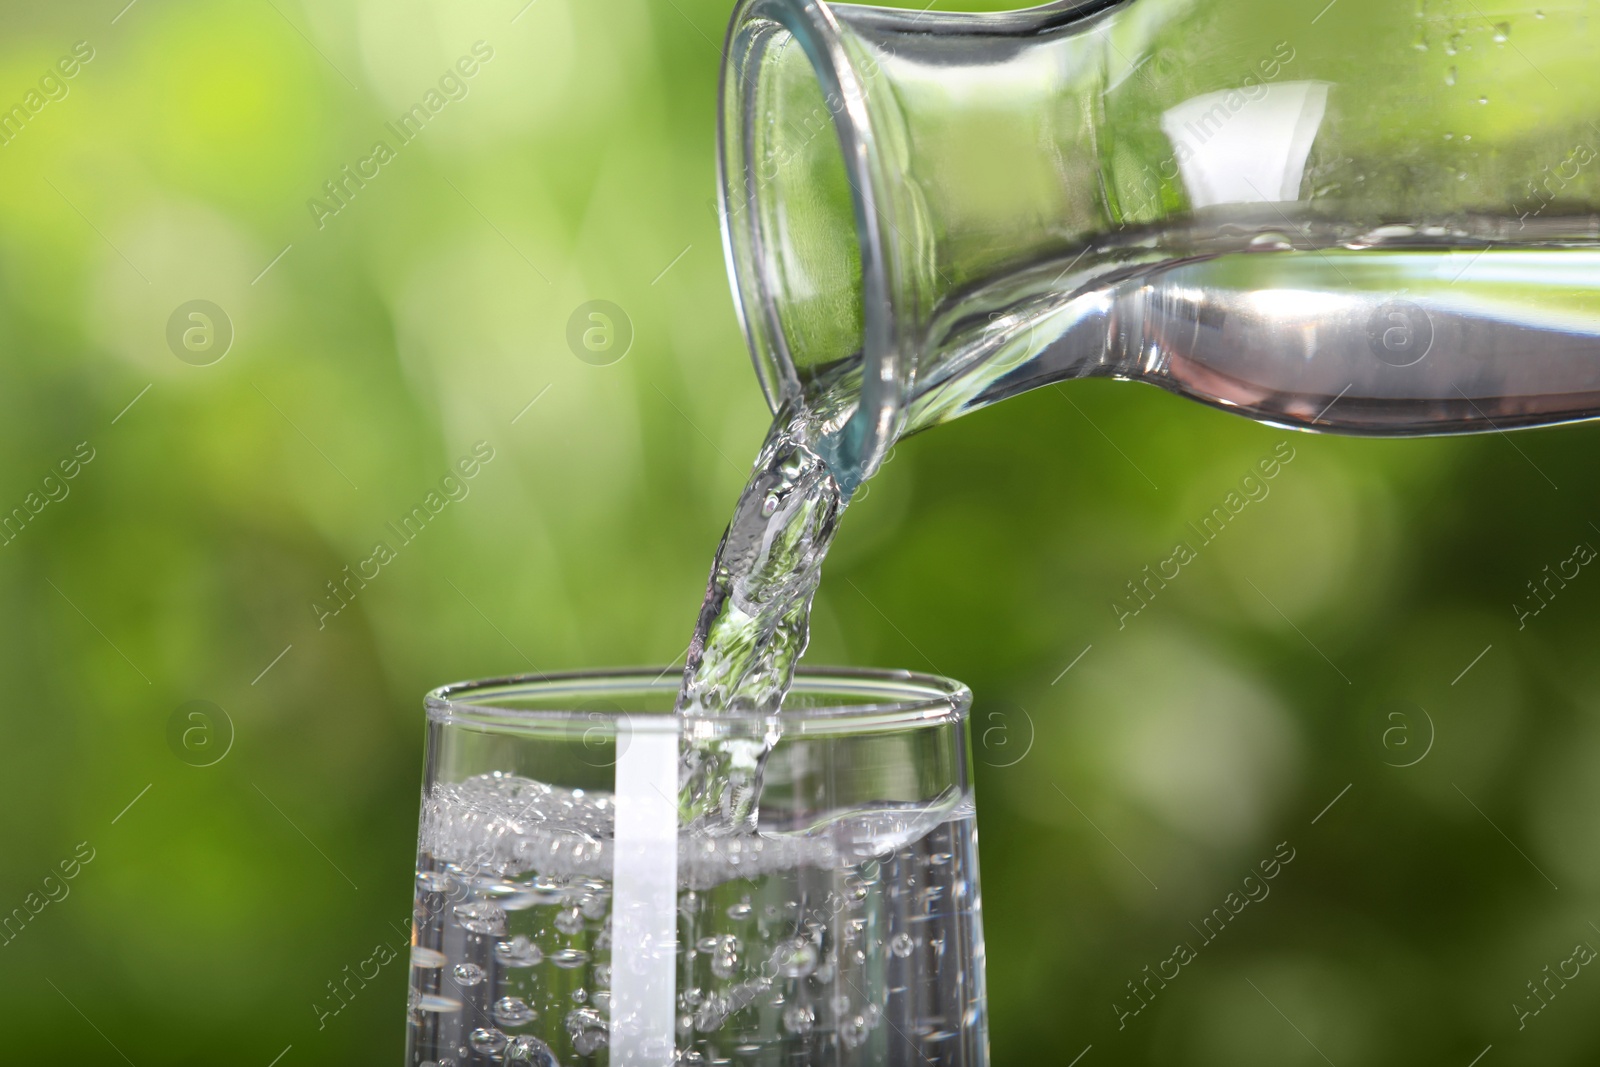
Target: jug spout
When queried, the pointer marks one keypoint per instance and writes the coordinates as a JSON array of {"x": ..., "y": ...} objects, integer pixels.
[{"x": 1354, "y": 219}]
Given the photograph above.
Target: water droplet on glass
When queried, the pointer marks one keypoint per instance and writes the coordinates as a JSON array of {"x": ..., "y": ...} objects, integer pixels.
[
  {"x": 1502, "y": 32},
  {"x": 1450, "y": 76},
  {"x": 513, "y": 1011},
  {"x": 468, "y": 973},
  {"x": 1483, "y": 99}
]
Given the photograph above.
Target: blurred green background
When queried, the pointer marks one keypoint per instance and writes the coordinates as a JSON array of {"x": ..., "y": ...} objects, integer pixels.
[{"x": 1357, "y": 619}]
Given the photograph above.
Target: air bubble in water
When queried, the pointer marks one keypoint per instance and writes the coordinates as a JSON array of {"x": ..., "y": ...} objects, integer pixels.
[
  {"x": 798, "y": 1019},
  {"x": 1450, "y": 76},
  {"x": 570, "y": 921},
  {"x": 724, "y": 952},
  {"x": 487, "y": 1042},
  {"x": 518, "y": 952},
  {"x": 431, "y": 1002},
  {"x": 1502, "y": 32},
  {"x": 853, "y": 1032},
  {"x": 531, "y": 1050},
  {"x": 740, "y": 911},
  {"x": 1483, "y": 99},
  {"x": 513, "y": 1011},
  {"x": 481, "y": 918},
  {"x": 427, "y": 958},
  {"x": 568, "y": 958},
  {"x": 902, "y": 945},
  {"x": 588, "y": 1030},
  {"x": 468, "y": 973},
  {"x": 795, "y": 958}
]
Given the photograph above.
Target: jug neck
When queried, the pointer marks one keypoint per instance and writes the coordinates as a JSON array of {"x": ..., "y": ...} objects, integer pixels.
[{"x": 876, "y": 163}]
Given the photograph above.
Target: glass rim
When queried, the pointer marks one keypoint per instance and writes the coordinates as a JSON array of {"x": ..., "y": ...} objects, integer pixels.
[{"x": 910, "y": 698}]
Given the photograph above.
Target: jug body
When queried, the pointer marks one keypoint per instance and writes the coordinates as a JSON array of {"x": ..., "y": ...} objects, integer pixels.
[{"x": 1362, "y": 217}]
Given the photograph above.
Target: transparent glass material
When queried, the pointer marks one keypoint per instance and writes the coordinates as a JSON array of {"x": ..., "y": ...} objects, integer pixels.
[
  {"x": 1370, "y": 216},
  {"x": 553, "y": 925}
]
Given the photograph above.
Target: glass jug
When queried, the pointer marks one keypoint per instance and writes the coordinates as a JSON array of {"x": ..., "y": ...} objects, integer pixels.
[{"x": 1359, "y": 216}]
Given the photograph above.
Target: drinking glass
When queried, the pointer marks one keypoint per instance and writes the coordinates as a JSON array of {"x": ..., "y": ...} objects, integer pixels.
[{"x": 563, "y": 917}]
